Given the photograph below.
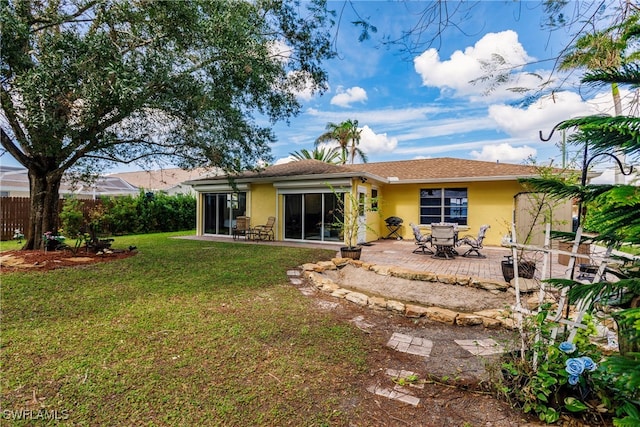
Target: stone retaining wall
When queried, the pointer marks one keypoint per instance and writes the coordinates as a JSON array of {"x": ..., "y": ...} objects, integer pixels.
[{"x": 494, "y": 318}]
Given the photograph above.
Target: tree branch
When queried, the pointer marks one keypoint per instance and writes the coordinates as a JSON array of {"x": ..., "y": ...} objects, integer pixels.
[{"x": 62, "y": 18}]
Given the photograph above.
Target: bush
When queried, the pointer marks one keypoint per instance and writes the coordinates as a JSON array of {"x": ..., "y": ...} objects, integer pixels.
[
  {"x": 71, "y": 217},
  {"x": 149, "y": 213}
]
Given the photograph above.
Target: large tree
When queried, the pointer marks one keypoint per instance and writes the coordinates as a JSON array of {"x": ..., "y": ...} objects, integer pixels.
[{"x": 86, "y": 83}]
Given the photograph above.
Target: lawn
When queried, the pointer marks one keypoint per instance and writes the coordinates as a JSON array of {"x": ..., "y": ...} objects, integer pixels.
[{"x": 184, "y": 333}]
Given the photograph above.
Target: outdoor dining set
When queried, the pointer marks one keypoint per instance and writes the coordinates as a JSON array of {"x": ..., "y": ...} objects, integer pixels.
[
  {"x": 444, "y": 241},
  {"x": 243, "y": 227}
]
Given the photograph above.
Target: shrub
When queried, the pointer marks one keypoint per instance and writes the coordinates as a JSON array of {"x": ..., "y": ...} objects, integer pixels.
[{"x": 71, "y": 217}]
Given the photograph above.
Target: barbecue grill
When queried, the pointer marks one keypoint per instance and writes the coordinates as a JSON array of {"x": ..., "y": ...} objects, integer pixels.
[{"x": 393, "y": 224}]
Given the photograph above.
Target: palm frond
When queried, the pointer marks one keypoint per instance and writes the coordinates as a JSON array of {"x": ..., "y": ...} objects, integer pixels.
[{"x": 627, "y": 74}]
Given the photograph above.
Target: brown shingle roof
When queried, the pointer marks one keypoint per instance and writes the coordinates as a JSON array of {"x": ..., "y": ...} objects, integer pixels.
[
  {"x": 299, "y": 167},
  {"x": 444, "y": 168},
  {"x": 440, "y": 169},
  {"x": 295, "y": 168}
]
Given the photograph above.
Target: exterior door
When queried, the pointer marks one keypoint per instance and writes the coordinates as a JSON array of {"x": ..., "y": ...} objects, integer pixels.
[
  {"x": 362, "y": 214},
  {"x": 221, "y": 211}
]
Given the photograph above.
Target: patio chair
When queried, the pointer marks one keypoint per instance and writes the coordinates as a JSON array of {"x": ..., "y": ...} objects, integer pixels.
[
  {"x": 443, "y": 238},
  {"x": 474, "y": 242},
  {"x": 421, "y": 240},
  {"x": 265, "y": 231},
  {"x": 242, "y": 227}
]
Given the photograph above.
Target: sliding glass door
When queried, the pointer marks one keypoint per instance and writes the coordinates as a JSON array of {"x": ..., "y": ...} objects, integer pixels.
[
  {"x": 221, "y": 211},
  {"x": 310, "y": 216}
]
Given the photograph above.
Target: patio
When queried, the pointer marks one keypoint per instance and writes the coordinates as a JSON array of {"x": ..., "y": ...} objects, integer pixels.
[{"x": 400, "y": 253}]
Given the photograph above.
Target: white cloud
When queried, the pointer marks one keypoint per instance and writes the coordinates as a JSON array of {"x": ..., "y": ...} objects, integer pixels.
[
  {"x": 504, "y": 152},
  {"x": 494, "y": 54},
  {"x": 344, "y": 98},
  {"x": 542, "y": 115},
  {"x": 281, "y": 50},
  {"x": 370, "y": 142}
]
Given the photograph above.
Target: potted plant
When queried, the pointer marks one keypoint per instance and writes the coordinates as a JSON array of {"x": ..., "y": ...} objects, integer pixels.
[
  {"x": 346, "y": 217},
  {"x": 526, "y": 268}
]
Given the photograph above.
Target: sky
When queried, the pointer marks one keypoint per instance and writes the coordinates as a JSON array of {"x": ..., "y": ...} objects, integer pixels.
[{"x": 436, "y": 101}]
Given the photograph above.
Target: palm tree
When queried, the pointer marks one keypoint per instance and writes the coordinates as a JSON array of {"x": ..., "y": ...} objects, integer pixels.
[
  {"x": 347, "y": 135},
  {"x": 324, "y": 154}
]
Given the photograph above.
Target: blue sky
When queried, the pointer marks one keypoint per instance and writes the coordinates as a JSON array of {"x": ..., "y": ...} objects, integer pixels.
[{"x": 423, "y": 105}]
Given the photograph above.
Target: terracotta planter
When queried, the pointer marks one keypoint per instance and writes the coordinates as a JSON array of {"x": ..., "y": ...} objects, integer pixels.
[
  {"x": 526, "y": 270},
  {"x": 353, "y": 253}
]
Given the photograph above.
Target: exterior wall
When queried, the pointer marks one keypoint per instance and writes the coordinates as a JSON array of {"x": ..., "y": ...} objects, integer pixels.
[
  {"x": 375, "y": 220},
  {"x": 261, "y": 204},
  {"x": 489, "y": 203},
  {"x": 199, "y": 214}
]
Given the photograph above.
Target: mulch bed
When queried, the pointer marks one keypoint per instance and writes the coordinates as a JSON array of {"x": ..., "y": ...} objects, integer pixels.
[{"x": 19, "y": 260}]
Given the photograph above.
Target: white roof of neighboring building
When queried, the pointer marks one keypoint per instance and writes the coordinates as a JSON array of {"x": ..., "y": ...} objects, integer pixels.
[
  {"x": 15, "y": 180},
  {"x": 163, "y": 179}
]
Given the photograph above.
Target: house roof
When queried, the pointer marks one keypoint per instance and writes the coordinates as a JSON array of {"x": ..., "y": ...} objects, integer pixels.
[
  {"x": 162, "y": 179},
  {"x": 406, "y": 171},
  {"x": 445, "y": 169},
  {"x": 16, "y": 179}
]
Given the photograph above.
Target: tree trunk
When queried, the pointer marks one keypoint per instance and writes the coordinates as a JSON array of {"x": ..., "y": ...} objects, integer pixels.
[
  {"x": 43, "y": 212},
  {"x": 617, "y": 104}
]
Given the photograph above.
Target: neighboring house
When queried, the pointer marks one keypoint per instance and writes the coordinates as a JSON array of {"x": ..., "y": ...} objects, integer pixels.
[
  {"x": 299, "y": 194},
  {"x": 14, "y": 182},
  {"x": 170, "y": 181}
]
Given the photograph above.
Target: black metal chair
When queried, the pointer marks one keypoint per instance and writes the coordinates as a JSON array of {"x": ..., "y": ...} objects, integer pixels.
[
  {"x": 421, "y": 240},
  {"x": 474, "y": 242}
]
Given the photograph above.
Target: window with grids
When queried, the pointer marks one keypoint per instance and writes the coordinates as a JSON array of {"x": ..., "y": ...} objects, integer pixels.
[{"x": 443, "y": 205}]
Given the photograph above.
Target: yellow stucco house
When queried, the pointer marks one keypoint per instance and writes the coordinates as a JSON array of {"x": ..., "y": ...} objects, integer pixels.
[{"x": 302, "y": 196}]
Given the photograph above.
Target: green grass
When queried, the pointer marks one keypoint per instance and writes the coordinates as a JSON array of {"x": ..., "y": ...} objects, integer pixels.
[{"x": 184, "y": 333}]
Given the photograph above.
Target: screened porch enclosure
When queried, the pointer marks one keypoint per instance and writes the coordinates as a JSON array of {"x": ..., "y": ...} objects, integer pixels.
[
  {"x": 221, "y": 211},
  {"x": 311, "y": 216}
]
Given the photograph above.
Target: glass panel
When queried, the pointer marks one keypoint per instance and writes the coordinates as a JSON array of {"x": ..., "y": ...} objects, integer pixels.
[
  {"x": 448, "y": 205},
  {"x": 225, "y": 204},
  {"x": 456, "y": 203},
  {"x": 331, "y": 228},
  {"x": 431, "y": 193},
  {"x": 312, "y": 217},
  {"x": 210, "y": 202},
  {"x": 374, "y": 199},
  {"x": 362, "y": 198},
  {"x": 293, "y": 216},
  {"x": 221, "y": 210},
  {"x": 430, "y": 211}
]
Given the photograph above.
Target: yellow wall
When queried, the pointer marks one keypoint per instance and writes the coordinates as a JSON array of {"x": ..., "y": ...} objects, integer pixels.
[
  {"x": 261, "y": 204},
  {"x": 489, "y": 203}
]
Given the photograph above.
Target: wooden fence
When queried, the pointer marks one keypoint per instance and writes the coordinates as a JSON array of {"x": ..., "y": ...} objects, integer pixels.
[{"x": 14, "y": 214}]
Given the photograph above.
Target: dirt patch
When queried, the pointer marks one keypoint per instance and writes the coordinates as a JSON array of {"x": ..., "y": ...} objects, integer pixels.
[
  {"x": 19, "y": 260},
  {"x": 453, "y": 383},
  {"x": 465, "y": 299}
]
